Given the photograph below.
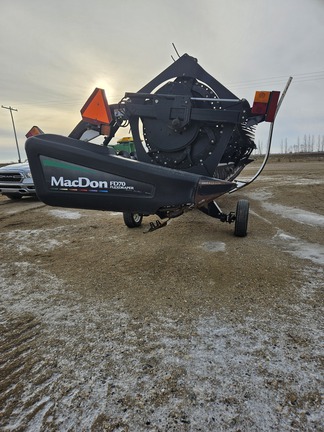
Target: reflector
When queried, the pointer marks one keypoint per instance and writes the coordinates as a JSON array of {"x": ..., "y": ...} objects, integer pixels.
[
  {"x": 272, "y": 106},
  {"x": 265, "y": 103},
  {"x": 262, "y": 96},
  {"x": 259, "y": 108},
  {"x": 104, "y": 129},
  {"x": 35, "y": 130},
  {"x": 96, "y": 110}
]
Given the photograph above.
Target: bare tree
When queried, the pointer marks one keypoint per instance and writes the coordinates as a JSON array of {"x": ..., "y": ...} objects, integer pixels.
[
  {"x": 305, "y": 143},
  {"x": 260, "y": 147}
]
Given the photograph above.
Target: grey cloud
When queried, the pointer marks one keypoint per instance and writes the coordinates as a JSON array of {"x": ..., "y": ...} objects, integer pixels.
[{"x": 55, "y": 51}]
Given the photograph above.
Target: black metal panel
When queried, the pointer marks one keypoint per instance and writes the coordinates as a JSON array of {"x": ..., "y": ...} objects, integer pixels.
[
  {"x": 188, "y": 66},
  {"x": 72, "y": 173}
]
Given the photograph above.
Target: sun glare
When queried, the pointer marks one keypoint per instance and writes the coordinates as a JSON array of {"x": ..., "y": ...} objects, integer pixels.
[{"x": 104, "y": 84}]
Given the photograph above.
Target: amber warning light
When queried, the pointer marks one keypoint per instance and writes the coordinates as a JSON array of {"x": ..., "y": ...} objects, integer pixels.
[
  {"x": 96, "y": 110},
  {"x": 265, "y": 103},
  {"x": 35, "y": 130}
]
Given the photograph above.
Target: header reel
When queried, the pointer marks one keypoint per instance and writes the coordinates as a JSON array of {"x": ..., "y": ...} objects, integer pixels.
[{"x": 192, "y": 123}]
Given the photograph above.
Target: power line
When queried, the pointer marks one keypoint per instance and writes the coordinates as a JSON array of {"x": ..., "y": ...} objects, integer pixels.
[{"x": 277, "y": 80}]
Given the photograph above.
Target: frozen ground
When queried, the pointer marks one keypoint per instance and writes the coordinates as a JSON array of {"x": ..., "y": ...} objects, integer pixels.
[{"x": 184, "y": 329}]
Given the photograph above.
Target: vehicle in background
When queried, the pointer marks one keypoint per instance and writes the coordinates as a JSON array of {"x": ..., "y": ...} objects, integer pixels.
[
  {"x": 16, "y": 181},
  {"x": 124, "y": 147}
]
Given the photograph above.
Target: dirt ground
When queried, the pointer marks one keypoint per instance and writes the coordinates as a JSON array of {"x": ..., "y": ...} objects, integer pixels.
[{"x": 188, "y": 328}]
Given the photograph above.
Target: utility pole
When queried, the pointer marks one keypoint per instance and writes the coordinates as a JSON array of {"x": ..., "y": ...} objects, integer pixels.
[{"x": 13, "y": 125}]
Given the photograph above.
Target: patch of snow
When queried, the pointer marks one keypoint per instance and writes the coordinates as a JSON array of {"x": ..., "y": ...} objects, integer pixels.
[
  {"x": 314, "y": 284},
  {"x": 286, "y": 180},
  {"x": 300, "y": 248},
  {"x": 297, "y": 215},
  {"x": 259, "y": 195},
  {"x": 214, "y": 246},
  {"x": 65, "y": 214},
  {"x": 209, "y": 375},
  {"x": 30, "y": 240}
]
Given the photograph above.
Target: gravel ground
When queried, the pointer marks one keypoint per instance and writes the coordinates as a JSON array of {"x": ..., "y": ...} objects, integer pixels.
[{"x": 187, "y": 328}]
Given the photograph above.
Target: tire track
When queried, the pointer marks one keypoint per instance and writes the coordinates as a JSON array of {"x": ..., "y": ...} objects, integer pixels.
[{"x": 23, "y": 373}]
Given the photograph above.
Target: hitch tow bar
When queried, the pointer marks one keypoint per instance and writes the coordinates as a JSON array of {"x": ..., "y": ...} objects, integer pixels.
[{"x": 156, "y": 225}]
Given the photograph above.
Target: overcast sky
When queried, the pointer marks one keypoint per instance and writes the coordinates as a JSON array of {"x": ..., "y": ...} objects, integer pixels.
[{"x": 54, "y": 53}]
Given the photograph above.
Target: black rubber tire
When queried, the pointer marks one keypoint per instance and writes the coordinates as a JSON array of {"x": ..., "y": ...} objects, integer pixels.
[
  {"x": 132, "y": 220},
  {"x": 14, "y": 196},
  {"x": 242, "y": 217}
]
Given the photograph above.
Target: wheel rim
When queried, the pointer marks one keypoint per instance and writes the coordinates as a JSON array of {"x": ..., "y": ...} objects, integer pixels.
[{"x": 137, "y": 217}]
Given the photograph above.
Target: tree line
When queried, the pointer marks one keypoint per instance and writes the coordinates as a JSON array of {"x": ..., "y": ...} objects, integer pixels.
[{"x": 306, "y": 144}]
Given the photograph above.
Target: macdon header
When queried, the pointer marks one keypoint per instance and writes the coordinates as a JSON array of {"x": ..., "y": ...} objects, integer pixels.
[{"x": 84, "y": 182}]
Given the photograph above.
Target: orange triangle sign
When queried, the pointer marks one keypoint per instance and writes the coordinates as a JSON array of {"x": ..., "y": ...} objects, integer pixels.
[{"x": 96, "y": 110}]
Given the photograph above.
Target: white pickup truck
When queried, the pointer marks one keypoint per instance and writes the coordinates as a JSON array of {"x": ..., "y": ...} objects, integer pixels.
[{"x": 16, "y": 181}]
